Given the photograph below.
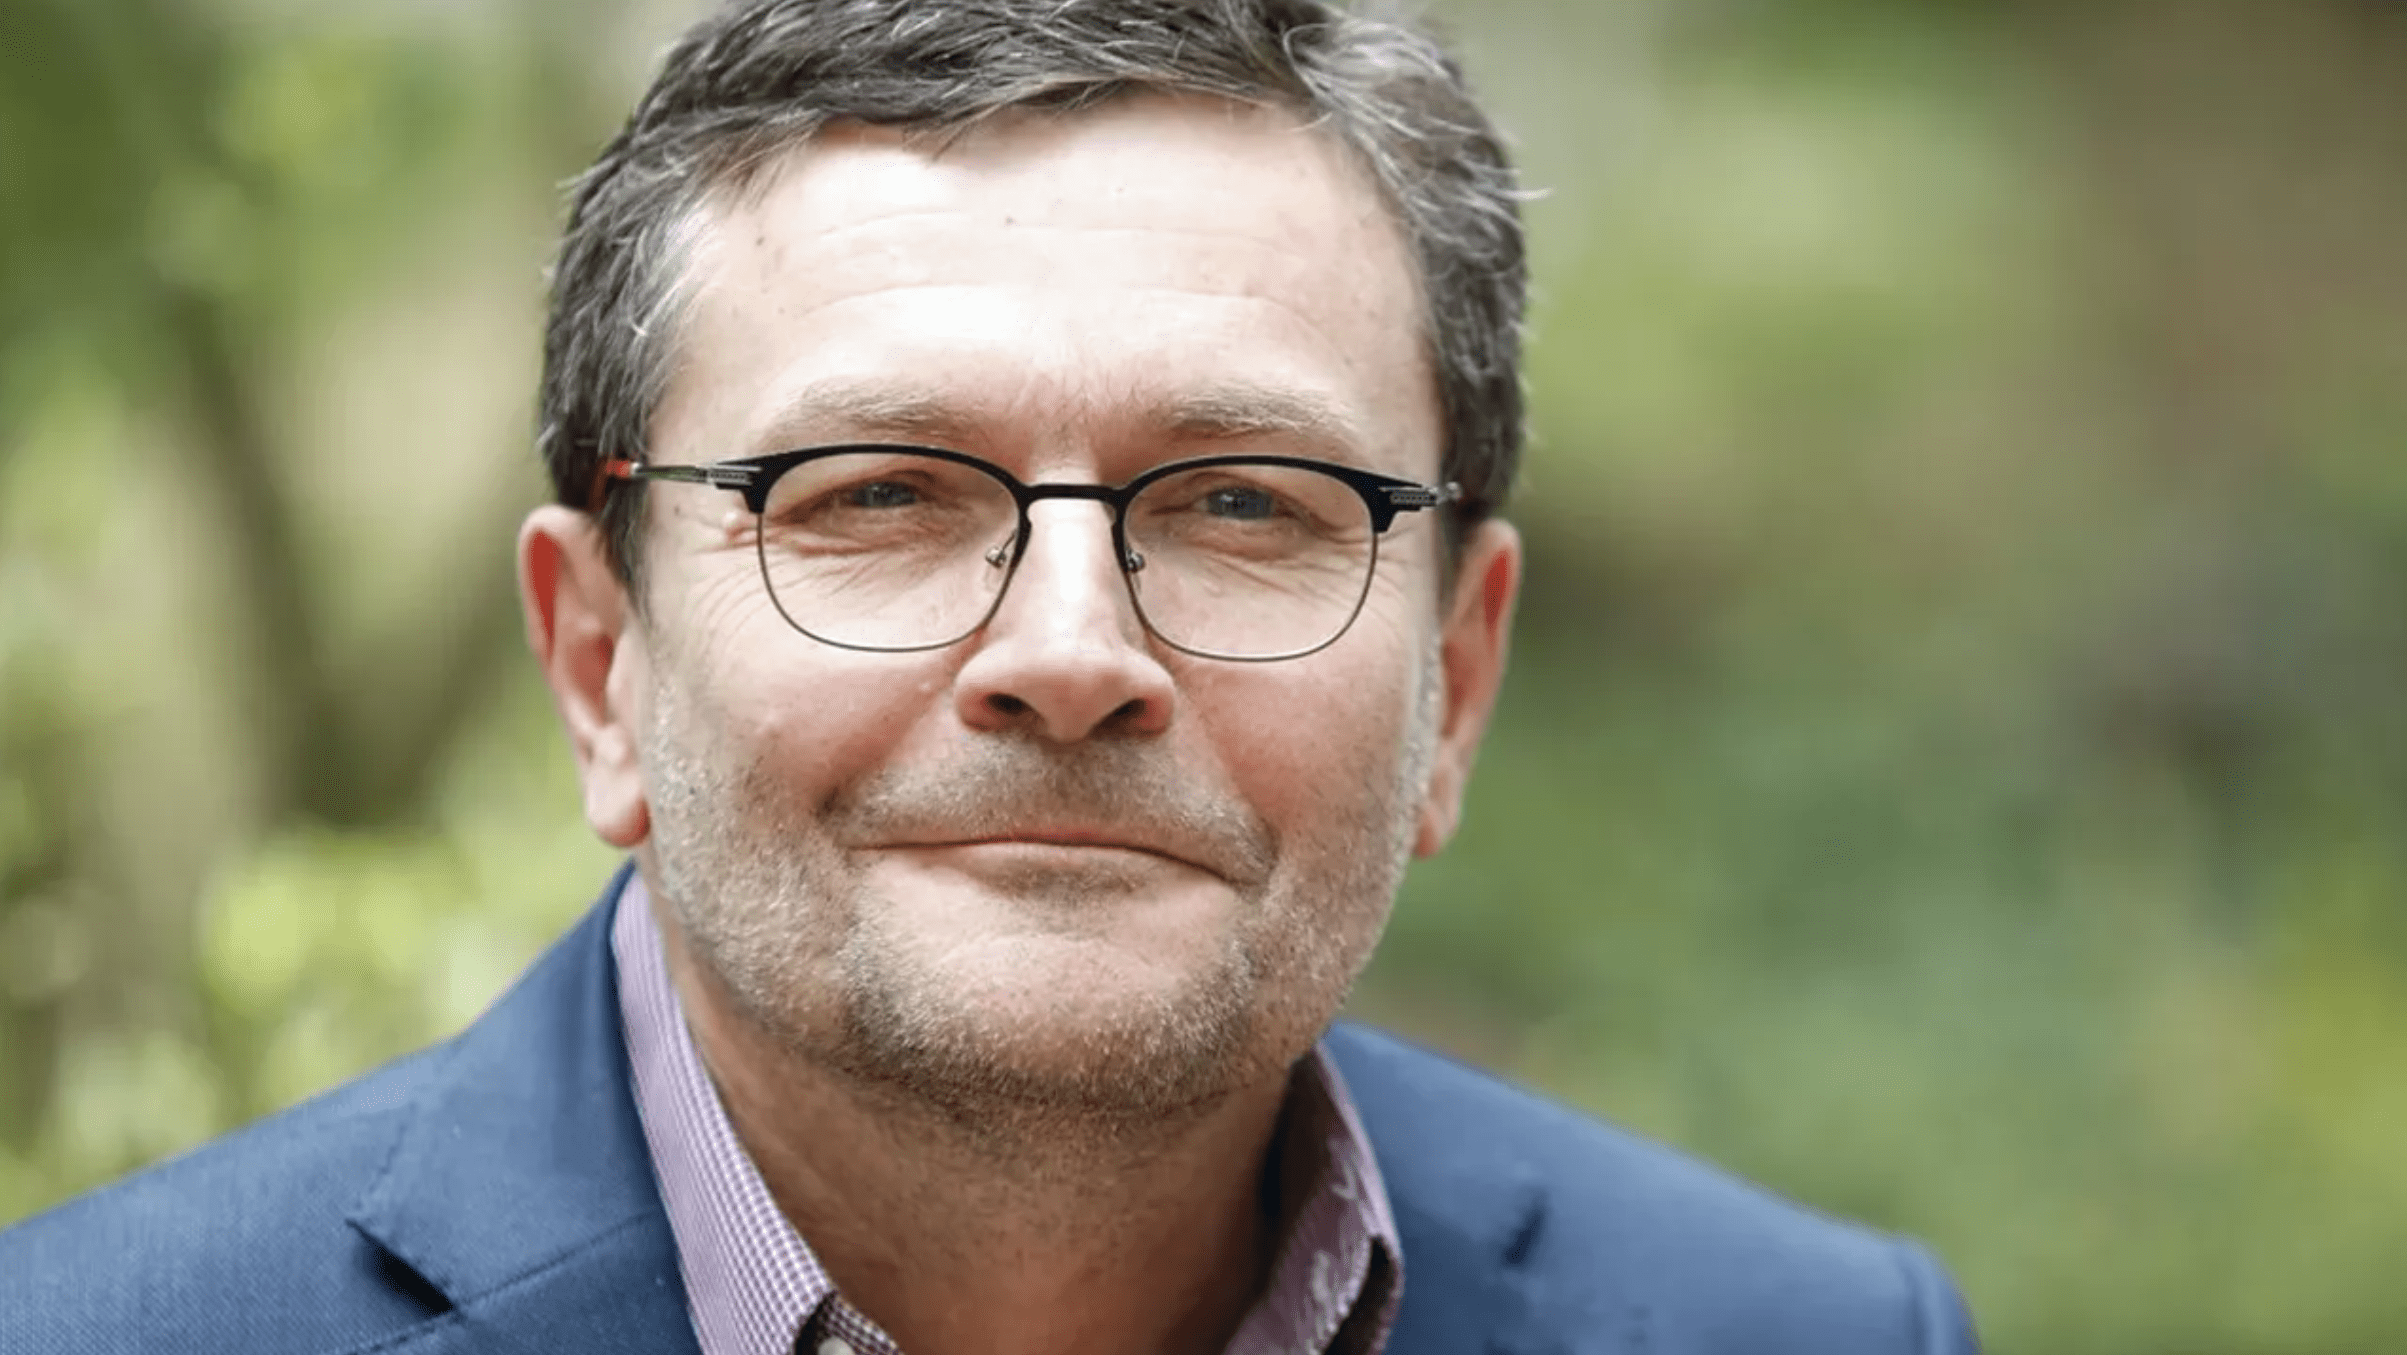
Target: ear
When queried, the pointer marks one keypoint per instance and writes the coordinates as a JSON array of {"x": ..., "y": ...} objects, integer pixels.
[
  {"x": 577, "y": 615},
  {"x": 1478, "y": 630}
]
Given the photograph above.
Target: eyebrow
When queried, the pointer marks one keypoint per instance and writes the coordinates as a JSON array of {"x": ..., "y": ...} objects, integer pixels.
[
  {"x": 1244, "y": 410},
  {"x": 876, "y": 409},
  {"x": 855, "y": 408}
]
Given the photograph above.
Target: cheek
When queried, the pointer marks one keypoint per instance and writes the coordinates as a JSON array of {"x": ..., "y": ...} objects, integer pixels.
[
  {"x": 818, "y": 726},
  {"x": 809, "y": 716},
  {"x": 812, "y": 730},
  {"x": 1312, "y": 748}
]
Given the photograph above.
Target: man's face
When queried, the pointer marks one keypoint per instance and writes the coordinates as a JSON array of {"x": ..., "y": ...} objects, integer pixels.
[{"x": 1058, "y": 863}]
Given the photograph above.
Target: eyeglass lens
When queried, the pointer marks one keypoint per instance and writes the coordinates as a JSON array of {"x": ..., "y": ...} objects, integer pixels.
[{"x": 892, "y": 550}]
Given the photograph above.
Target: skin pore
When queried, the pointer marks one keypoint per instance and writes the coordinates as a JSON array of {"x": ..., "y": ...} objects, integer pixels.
[{"x": 1000, "y": 955}]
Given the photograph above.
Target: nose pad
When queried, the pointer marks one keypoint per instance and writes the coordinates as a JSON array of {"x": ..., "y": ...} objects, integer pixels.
[
  {"x": 1066, "y": 654},
  {"x": 1069, "y": 575},
  {"x": 1000, "y": 557}
]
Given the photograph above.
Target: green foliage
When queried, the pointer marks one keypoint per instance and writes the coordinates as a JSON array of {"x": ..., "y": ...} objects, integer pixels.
[{"x": 1951, "y": 769}]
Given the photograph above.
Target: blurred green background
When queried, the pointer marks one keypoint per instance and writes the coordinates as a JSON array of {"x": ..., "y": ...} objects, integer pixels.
[{"x": 1954, "y": 764}]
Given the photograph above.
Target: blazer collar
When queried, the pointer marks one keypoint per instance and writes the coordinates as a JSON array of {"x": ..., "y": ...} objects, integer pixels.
[
  {"x": 1469, "y": 1214},
  {"x": 520, "y": 1188}
]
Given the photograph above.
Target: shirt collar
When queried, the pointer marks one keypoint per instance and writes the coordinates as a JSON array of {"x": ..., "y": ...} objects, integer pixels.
[{"x": 753, "y": 1285}]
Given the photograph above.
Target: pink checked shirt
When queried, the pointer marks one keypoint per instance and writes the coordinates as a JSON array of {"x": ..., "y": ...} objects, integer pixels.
[{"x": 754, "y": 1288}]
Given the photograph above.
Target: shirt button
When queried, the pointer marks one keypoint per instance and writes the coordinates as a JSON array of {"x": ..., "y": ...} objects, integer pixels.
[{"x": 835, "y": 1345}]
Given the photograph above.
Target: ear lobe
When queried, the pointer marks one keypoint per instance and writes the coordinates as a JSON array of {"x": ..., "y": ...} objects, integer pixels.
[
  {"x": 1477, "y": 633},
  {"x": 576, "y": 614}
]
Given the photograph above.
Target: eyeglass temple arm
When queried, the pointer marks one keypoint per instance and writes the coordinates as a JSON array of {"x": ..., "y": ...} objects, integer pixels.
[
  {"x": 1423, "y": 496},
  {"x": 723, "y": 475},
  {"x": 1402, "y": 496}
]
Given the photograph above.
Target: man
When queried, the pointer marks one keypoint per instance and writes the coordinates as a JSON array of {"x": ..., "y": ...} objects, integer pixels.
[{"x": 1025, "y": 581}]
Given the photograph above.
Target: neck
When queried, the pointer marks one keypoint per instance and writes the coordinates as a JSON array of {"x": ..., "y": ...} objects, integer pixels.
[{"x": 1009, "y": 1232}]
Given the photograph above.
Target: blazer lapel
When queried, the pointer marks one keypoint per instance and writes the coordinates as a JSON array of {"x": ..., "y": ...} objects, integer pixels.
[
  {"x": 521, "y": 1189},
  {"x": 1468, "y": 1216},
  {"x": 1465, "y": 1291}
]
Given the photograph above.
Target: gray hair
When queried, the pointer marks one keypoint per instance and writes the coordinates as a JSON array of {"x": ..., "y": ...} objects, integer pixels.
[{"x": 758, "y": 76}]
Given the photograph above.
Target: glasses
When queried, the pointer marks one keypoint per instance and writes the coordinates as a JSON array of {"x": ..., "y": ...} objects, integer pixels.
[{"x": 893, "y": 549}]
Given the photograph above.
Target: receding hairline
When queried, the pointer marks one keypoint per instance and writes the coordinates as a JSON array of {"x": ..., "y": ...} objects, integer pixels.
[
  {"x": 744, "y": 177},
  {"x": 882, "y": 407}
]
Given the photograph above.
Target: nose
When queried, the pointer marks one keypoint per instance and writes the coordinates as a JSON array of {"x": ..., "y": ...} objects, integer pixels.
[{"x": 1065, "y": 656}]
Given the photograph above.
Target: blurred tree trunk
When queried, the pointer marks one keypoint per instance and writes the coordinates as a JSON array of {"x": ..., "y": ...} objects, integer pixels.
[{"x": 105, "y": 106}]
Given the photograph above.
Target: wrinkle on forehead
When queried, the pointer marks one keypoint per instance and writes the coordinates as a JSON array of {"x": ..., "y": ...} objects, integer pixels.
[
  {"x": 1004, "y": 166},
  {"x": 895, "y": 408},
  {"x": 1108, "y": 293}
]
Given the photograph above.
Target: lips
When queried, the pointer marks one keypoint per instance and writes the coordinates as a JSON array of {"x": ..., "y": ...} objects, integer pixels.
[
  {"x": 1089, "y": 838},
  {"x": 1102, "y": 796}
]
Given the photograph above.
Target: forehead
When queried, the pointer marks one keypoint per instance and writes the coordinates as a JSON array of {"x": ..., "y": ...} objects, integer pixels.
[{"x": 1055, "y": 285}]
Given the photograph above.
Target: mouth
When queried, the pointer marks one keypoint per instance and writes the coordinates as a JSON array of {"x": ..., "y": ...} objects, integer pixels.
[{"x": 1066, "y": 841}]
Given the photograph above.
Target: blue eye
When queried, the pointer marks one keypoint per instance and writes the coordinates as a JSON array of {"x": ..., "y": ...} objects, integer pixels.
[{"x": 1241, "y": 502}]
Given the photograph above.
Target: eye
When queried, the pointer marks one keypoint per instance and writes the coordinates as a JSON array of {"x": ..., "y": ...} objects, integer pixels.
[
  {"x": 1244, "y": 503},
  {"x": 880, "y": 494}
]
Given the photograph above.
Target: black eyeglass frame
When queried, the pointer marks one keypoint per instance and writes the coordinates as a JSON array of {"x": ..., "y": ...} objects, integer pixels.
[{"x": 1384, "y": 496}]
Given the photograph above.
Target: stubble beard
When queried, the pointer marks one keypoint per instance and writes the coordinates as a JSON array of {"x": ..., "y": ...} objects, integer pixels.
[{"x": 811, "y": 955}]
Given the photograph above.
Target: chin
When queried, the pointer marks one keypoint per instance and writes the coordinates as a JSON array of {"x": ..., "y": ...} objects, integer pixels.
[{"x": 1054, "y": 1025}]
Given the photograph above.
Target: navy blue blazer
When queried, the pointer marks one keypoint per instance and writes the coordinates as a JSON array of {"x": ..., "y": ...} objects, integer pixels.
[{"x": 494, "y": 1194}]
